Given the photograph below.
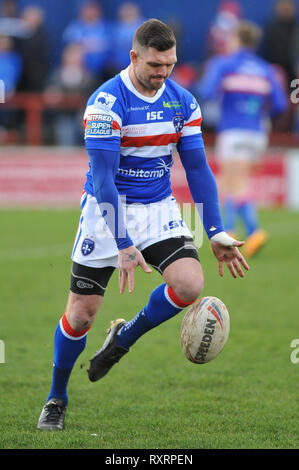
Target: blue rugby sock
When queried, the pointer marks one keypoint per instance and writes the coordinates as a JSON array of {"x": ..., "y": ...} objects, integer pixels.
[
  {"x": 68, "y": 345},
  {"x": 248, "y": 213},
  {"x": 230, "y": 214},
  {"x": 162, "y": 305}
]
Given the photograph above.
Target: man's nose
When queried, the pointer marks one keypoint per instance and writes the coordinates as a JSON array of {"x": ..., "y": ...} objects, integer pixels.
[{"x": 162, "y": 70}]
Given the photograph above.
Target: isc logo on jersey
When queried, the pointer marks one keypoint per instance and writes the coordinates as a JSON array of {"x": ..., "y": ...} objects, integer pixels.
[
  {"x": 98, "y": 125},
  {"x": 154, "y": 115}
]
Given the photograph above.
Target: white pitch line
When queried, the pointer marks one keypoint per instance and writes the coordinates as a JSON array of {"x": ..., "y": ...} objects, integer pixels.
[{"x": 36, "y": 252}]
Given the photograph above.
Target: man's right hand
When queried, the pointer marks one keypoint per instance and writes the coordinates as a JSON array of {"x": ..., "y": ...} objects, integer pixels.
[{"x": 128, "y": 260}]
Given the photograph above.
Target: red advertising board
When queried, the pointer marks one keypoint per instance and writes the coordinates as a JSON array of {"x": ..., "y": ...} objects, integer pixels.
[
  {"x": 268, "y": 180},
  {"x": 39, "y": 177}
]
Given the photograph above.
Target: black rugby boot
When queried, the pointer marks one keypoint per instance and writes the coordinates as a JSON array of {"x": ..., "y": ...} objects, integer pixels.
[
  {"x": 52, "y": 415},
  {"x": 109, "y": 354}
]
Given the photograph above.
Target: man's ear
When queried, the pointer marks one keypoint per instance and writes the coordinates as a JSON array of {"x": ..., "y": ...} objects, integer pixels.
[{"x": 133, "y": 56}]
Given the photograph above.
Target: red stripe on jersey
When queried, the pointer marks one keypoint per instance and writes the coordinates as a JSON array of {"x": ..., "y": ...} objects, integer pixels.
[
  {"x": 70, "y": 331},
  {"x": 196, "y": 122},
  {"x": 150, "y": 140}
]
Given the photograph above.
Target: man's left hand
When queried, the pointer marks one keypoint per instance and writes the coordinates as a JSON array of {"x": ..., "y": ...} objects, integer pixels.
[{"x": 231, "y": 256}]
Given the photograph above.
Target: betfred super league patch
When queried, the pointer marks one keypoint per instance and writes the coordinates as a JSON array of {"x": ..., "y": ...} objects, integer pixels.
[{"x": 98, "y": 125}]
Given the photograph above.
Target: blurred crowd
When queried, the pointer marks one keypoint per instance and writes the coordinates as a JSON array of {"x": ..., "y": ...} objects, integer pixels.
[
  {"x": 94, "y": 49},
  {"x": 279, "y": 45}
]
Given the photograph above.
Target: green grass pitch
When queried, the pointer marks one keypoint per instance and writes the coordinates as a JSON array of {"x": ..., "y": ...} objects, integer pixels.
[{"x": 247, "y": 398}]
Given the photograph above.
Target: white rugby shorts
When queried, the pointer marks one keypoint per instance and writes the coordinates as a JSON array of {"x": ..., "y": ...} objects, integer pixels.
[
  {"x": 147, "y": 224},
  {"x": 240, "y": 144}
]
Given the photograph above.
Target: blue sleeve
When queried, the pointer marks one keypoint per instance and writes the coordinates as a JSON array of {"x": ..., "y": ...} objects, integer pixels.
[
  {"x": 209, "y": 86},
  {"x": 104, "y": 165},
  {"x": 203, "y": 189}
]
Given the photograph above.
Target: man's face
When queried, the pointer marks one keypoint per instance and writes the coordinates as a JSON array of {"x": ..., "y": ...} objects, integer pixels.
[{"x": 153, "y": 67}]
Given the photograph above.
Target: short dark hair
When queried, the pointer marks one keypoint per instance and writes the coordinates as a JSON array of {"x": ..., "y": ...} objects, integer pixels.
[
  {"x": 249, "y": 34},
  {"x": 154, "y": 33}
]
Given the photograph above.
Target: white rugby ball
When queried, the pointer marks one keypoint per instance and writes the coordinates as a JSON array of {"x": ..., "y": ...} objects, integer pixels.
[{"x": 204, "y": 330}]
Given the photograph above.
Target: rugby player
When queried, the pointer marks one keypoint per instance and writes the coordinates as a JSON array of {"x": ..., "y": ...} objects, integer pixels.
[
  {"x": 250, "y": 95},
  {"x": 129, "y": 218}
]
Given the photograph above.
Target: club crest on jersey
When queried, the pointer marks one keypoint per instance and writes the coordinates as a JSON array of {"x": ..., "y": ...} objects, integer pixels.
[
  {"x": 105, "y": 100},
  {"x": 178, "y": 122},
  {"x": 87, "y": 246}
]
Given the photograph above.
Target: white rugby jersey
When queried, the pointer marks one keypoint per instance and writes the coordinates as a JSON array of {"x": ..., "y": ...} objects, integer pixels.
[{"x": 145, "y": 130}]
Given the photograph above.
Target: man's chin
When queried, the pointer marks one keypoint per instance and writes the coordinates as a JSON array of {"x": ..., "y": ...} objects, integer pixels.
[{"x": 157, "y": 84}]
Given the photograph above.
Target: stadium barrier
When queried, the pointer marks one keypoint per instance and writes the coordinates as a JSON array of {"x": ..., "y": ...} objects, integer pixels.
[
  {"x": 54, "y": 177},
  {"x": 34, "y": 105},
  {"x": 36, "y": 175}
]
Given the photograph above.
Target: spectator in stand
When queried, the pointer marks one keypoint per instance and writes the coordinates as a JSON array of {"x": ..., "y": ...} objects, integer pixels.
[
  {"x": 129, "y": 19},
  {"x": 92, "y": 31},
  {"x": 10, "y": 23},
  {"x": 71, "y": 77},
  {"x": 9, "y": 8},
  {"x": 10, "y": 74},
  {"x": 34, "y": 50},
  {"x": 281, "y": 41},
  {"x": 225, "y": 22}
]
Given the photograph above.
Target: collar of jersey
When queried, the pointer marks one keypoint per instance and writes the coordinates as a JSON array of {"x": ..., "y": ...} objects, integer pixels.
[{"x": 124, "y": 74}]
